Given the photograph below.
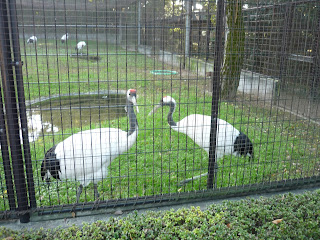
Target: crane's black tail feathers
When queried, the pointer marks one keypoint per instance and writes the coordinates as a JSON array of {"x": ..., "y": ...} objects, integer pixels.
[
  {"x": 244, "y": 146},
  {"x": 50, "y": 165}
]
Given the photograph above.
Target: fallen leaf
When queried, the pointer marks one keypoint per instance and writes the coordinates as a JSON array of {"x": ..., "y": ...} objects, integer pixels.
[{"x": 277, "y": 221}]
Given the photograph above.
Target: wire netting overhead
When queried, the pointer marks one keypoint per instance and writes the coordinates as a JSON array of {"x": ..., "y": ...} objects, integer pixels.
[{"x": 135, "y": 101}]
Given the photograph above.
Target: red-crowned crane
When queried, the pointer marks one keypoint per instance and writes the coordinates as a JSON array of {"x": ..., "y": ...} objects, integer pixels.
[
  {"x": 32, "y": 39},
  {"x": 85, "y": 156},
  {"x": 64, "y": 38},
  {"x": 229, "y": 140},
  {"x": 80, "y": 46}
]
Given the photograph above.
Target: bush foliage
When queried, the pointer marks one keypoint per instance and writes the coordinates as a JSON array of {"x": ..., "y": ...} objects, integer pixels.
[{"x": 286, "y": 216}]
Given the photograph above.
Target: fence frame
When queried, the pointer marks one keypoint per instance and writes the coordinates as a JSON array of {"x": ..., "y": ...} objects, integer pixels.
[
  {"x": 22, "y": 201},
  {"x": 20, "y": 160}
]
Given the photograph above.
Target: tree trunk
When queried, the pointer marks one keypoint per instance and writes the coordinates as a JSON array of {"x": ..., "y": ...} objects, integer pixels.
[{"x": 234, "y": 49}]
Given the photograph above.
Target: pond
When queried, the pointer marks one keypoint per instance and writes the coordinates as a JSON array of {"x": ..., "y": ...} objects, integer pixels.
[{"x": 57, "y": 113}]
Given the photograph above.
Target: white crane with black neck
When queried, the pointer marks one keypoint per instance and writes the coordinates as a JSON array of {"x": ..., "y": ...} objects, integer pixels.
[
  {"x": 80, "y": 46},
  {"x": 64, "y": 38},
  {"x": 229, "y": 140},
  {"x": 86, "y": 156},
  {"x": 32, "y": 39}
]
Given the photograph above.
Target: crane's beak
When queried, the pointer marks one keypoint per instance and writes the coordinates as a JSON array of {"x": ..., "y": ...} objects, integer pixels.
[
  {"x": 134, "y": 101},
  {"x": 154, "y": 109}
]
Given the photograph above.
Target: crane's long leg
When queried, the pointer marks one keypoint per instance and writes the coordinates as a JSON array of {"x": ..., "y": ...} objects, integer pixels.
[
  {"x": 79, "y": 191},
  {"x": 202, "y": 175},
  {"x": 193, "y": 178},
  {"x": 96, "y": 193}
]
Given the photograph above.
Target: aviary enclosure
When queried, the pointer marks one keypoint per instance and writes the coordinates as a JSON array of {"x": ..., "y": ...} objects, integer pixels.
[{"x": 235, "y": 84}]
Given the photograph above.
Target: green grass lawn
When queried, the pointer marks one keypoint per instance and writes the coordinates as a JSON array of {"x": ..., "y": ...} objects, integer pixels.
[{"x": 285, "y": 147}]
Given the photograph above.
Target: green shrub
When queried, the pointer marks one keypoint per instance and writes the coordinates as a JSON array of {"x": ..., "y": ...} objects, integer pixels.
[{"x": 297, "y": 218}]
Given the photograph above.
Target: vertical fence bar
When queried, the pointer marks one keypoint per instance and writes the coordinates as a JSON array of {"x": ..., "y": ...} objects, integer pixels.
[
  {"x": 3, "y": 136},
  {"x": 12, "y": 115},
  {"x": 21, "y": 100},
  {"x": 218, "y": 59},
  {"x": 5, "y": 152}
]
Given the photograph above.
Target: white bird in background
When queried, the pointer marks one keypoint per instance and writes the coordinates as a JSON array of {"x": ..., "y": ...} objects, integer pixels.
[
  {"x": 80, "y": 46},
  {"x": 85, "y": 156},
  {"x": 64, "y": 38},
  {"x": 229, "y": 140},
  {"x": 32, "y": 39}
]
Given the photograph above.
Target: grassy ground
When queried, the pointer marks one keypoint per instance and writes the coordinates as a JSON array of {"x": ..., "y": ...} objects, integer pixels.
[{"x": 285, "y": 147}]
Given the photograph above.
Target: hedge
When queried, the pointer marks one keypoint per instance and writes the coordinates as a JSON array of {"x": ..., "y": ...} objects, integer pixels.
[{"x": 286, "y": 216}]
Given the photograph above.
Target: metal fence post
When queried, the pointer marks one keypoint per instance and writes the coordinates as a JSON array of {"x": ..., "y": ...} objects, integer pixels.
[
  {"x": 218, "y": 59},
  {"x": 12, "y": 117},
  {"x": 21, "y": 100},
  {"x": 5, "y": 154}
]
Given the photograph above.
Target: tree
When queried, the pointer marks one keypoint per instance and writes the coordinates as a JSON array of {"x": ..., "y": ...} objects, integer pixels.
[{"x": 234, "y": 49}]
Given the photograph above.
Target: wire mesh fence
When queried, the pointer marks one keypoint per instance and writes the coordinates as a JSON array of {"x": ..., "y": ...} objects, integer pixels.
[{"x": 108, "y": 103}]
